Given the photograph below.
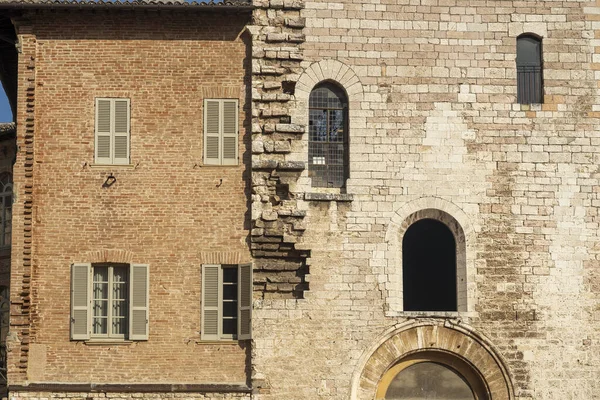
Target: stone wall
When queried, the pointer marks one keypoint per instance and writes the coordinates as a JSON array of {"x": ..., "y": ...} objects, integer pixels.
[{"x": 434, "y": 124}]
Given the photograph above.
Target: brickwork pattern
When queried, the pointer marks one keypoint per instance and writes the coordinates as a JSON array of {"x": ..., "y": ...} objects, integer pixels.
[{"x": 166, "y": 209}]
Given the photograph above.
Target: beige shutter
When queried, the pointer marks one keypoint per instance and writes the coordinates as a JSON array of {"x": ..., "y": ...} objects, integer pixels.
[
  {"x": 121, "y": 131},
  {"x": 103, "y": 131},
  {"x": 212, "y": 132},
  {"x": 138, "y": 302},
  {"x": 230, "y": 132},
  {"x": 210, "y": 302},
  {"x": 80, "y": 301},
  {"x": 245, "y": 287}
]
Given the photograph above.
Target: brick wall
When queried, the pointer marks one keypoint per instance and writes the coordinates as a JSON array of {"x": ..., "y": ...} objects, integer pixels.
[{"x": 166, "y": 210}]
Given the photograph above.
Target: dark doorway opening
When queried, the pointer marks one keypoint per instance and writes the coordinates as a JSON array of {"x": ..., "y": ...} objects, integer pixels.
[{"x": 429, "y": 267}]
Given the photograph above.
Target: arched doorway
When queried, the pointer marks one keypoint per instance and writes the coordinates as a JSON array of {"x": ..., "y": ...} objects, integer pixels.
[{"x": 462, "y": 362}]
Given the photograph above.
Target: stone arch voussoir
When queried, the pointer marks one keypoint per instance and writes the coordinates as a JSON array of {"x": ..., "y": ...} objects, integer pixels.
[
  {"x": 426, "y": 337},
  {"x": 464, "y": 233}
]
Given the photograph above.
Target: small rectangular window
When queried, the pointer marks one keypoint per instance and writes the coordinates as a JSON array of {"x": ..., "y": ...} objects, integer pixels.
[
  {"x": 220, "y": 132},
  {"x": 530, "y": 89},
  {"x": 112, "y": 137},
  {"x": 226, "y": 302},
  {"x": 109, "y": 301}
]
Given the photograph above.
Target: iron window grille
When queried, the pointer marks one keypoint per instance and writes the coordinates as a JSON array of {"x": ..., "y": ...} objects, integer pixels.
[
  {"x": 328, "y": 136},
  {"x": 530, "y": 82}
]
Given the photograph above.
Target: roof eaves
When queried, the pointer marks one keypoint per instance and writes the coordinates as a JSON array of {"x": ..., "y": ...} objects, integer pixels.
[{"x": 118, "y": 4}]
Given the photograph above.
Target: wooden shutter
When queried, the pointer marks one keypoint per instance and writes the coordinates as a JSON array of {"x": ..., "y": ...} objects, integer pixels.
[
  {"x": 212, "y": 132},
  {"x": 121, "y": 131},
  {"x": 210, "y": 302},
  {"x": 103, "y": 131},
  {"x": 80, "y": 301},
  {"x": 138, "y": 302},
  {"x": 245, "y": 287},
  {"x": 230, "y": 132}
]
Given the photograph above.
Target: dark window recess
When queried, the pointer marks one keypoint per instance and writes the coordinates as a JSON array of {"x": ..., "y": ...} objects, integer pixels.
[
  {"x": 288, "y": 87},
  {"x": 429, "y": 267},
  {"x": 328, "y": 136},
  {"x": 530, "y": 82},
  {"x": 230, "y": 300}
]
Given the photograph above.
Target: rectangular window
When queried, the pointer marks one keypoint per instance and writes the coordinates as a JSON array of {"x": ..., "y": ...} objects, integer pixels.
[
  {"x": 220, "y": 132},
  {"x": 112, "y": 131},
  {"x": 109, "y": 301},
  {"x": 109, "y": 297},
  {"x": 226, "y": 302}
]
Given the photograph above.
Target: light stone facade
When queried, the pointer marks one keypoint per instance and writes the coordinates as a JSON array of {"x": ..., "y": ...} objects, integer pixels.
[{"x": 435, "y": 128}]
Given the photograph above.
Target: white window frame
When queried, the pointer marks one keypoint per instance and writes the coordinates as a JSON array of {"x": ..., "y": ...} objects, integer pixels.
[
  {"x": 112, "y": 159},
  {"x": 110, "y": 299},
  {"x": 221, "y": 159},
  {"x": 219, "y": 335}
]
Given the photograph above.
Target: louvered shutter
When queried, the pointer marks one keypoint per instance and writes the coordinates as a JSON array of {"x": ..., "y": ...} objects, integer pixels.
[
  {"x": 80, "y": 301},
  {"x": 121, "y": 131},
  {"x": 212, "y": 132},
  {"x": 138, "y": 302},
  {"x": 103, "y": 131},
  {"x": 230, "y": 132},
  {"x": 210, "y": 302},
  {"x": 245, "y": 301}
]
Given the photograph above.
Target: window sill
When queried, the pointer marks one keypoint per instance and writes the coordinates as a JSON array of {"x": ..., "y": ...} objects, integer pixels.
[
  {"x": 108, "y": 342},
  {"x": 105, "y": 166},
  {"x": 224, "y": 341},
  {"x": 431, "y": 314},
  {"x": 328, "y": 197}
]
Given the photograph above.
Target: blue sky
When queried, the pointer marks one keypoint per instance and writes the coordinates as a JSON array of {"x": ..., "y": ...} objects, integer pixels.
[{"x": 5, "y": 113}]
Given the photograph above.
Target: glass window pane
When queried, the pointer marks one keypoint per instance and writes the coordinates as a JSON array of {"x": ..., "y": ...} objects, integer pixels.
[
  {"x": 100, "y": 326},
  {"x": 230, "y": 275},
  {"x": 119, "y": 326},
  {"x": 428, "y": 381},
  {"x": 230, "y": 326},
  {"x": 230, "y": 309},
  {"x": 100, "y": 290},
  {"x": 230, "y": 292}
]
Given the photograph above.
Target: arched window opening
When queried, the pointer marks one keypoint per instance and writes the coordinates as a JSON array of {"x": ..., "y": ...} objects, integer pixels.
[
  {"x": 429, "y": 380},
  {"x": 429, "y": 267},
  {"x": 328, "y": 136},
  {"x": 430, "y": 375},
  {"x": 529, "y": 69},
  {"x": 5, "y": 210}
]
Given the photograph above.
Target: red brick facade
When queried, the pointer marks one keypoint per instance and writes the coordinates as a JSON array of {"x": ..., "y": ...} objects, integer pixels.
[{"x": 166, "y": 209}]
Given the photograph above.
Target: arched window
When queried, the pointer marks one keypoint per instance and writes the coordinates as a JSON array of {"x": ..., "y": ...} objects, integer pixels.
[
  {"x": 328, "y": 136},
  {"x": 529, "y": 69},
  {"x": 432, "y": 375},
  {"x": 5, "y": 209},
  {"x": 429, "y": 267}
]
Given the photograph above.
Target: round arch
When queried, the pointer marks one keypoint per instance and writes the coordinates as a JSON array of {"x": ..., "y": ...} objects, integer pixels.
[
  {"x": 446, "y": 343},
  {"x": 342, "y": 76},
  {"x": 463, "y": 231}
]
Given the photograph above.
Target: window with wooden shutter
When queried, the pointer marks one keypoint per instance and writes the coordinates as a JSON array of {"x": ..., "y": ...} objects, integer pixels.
[
  {"x": 112, "y": 142},
  {"x": 210, "y": 302},
  {"x": 80, "y": 301},
  {"x": 245, "y": 301},
  {"x": 221, "y": 132},
  {"x": 109, "y": 301},
  {"x": 226, "y": 302},
  {"x": 138, "y": 311}
]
